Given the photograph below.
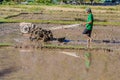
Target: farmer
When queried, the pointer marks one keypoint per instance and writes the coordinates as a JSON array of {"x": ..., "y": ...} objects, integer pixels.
[{"x": 88, "y": 26}]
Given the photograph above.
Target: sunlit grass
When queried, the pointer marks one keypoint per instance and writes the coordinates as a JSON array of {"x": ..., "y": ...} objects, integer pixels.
[
  {"x": 5, "y": 44},
  {"x": 63, "y": 46},
  {"x": 112, "y": 8},
  {"x": 77, "y": 47},
  {"x": 57, "y": 22}
]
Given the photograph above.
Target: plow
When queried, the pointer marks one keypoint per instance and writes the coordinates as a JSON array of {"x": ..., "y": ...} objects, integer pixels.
[
  {"x": 35, "y": 37},
  {"x": 37, "y": 33}
]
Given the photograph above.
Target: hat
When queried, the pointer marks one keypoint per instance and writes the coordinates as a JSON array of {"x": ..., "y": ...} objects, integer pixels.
[{"x": 88, "y": 9}]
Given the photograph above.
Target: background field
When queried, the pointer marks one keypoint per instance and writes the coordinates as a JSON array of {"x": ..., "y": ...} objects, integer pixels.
[{"x": 104, "y": 15}]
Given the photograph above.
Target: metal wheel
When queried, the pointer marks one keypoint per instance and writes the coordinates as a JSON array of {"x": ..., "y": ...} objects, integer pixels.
[{"x": 24, "y": 29}]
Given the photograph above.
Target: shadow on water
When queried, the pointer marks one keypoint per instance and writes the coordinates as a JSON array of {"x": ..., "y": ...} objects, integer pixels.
[
  {"x": 7, "y": 71},
  {"x": 107, "y": 41},
  {"x": 94, "y": 41}
]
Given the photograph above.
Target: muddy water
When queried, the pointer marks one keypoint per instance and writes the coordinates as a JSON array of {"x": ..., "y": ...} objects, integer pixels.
[{"x": 58, "y": 64}]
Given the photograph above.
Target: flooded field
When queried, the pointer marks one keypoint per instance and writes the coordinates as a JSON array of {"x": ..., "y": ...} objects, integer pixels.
[{"x": 57, "y": 64}]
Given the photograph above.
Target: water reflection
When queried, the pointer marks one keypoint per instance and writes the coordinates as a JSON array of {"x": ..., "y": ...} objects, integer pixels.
[
  {"x": 88, "y": 59},
  {"x": 28, "y": 58},
  {"x": 58, "y": 64}
]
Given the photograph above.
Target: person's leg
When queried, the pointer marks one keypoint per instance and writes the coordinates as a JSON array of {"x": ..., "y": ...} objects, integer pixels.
[
  {"x": 89, "y": 40},
  {"x": 87, "y": 34}
]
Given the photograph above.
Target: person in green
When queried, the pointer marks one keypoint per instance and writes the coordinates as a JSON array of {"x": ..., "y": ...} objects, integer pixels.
[{"x": 88, "y": 26}]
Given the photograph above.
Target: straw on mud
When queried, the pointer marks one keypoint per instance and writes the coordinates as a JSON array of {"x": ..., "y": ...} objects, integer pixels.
[
  {"x": 70, "y": 54},
  {"x": 24, "y": 50},
  {"x": 66, "y": 26}
]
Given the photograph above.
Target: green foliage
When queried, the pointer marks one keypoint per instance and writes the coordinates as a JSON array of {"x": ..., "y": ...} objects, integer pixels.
[
  {"x": 9, "y": 2},
  {"x": 63, "y": 47},
  {"x": 12, "y": 2},
  {"x": 5, "y": 44},
  {"x": 43, "y": 1}
]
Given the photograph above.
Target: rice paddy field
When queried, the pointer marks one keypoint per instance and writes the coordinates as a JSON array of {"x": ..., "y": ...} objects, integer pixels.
[{"x": 61, "y": 61}]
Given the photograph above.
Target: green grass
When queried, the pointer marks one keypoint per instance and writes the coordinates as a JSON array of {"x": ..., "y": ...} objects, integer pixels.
[
  {"x": 110, "y": 8},
  {"x": 39, "y": 7},
  {"x": 5, "y": 44},
  {"x": 77, "y": 47},
  {"x": 107, "y": 23},
  {"x": 38, "y": 21},
  {"x": 58, "y": 22},
  {"x": 53, "y": 46},
  {"x": 63, "y": 46}
]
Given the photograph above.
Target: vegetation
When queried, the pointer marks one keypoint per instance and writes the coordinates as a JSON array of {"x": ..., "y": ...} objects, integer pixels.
[
  {"x": 5, "y": 44},
  {"x": 63, "y": 47},
  {"x": 74, "y": 47},
  {"x": 11, "y": 2},
  {"x": 104, "y": 16}
]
